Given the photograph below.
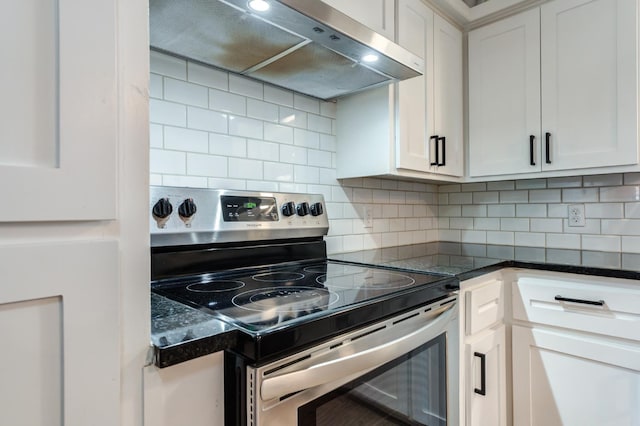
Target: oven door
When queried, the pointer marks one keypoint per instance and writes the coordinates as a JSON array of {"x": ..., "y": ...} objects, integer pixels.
[{"x": 402, "y": 371}]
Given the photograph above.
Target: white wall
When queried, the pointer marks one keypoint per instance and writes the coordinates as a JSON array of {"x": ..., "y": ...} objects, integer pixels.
[{"x": 212, "y": 129}]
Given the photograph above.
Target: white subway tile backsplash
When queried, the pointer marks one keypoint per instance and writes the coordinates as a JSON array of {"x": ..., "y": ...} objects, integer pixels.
[
  {"x": 156, "y": 136},
  {"x": 601, "y": 260},
  {"x": 306, "y": 138},
  {"x": 206, "y": 165},
  {"x": 580, "y": 195},
  {"x": 245, "y": 86},
  {"x": 601, "y": 242},
  {"x": 604, "y": 210},
  {"x": 278, "y": 96},
  {"x": 232, "y": 146},
  {"x": 207, "y": 76},
  {"x": 620, "y": 193},
  {"x": 156, "y": 89},
  {"x": 292, "y": 117},
  {"x": 245, "y": 127},
  {"x": 262, "y": 110},
  {"x": 210, "y": 128},
  {"x": 222, "y": 183},
  {"x": 169, "y": 113},
  {"x": 261, "y": 150},
  {"x": 181, "y": 139},
  {"x": 203, "y": 119},
  {"x": 170, "y": 66},
  {"x": 190, "y": 181},
  {"x": 305, "y": 174},
  {"x": 278, "y": 133},
  {"x": 227, "y": 102},
  {"x": 185, "y": 93},
  {"x": 167, "y": 162},
  {"x": 570, "y": 257},
  {"x": 563, "y": 241},
  {"x": 155, "y": 179},
  {"x": 246, "y": 169},
  {"x": 306, "y": 103}
]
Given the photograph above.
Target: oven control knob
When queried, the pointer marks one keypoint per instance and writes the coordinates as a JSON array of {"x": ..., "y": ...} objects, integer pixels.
[
  {"x": 289, "y": 209},
  {"x": 161, "y": 211},
  {"x": 303, "y": 209},
  {"x": 316, "y": 209},
  {"x": 186, "y": 210}
]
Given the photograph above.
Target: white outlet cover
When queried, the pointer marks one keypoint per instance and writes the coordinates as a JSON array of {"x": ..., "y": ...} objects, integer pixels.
[{"x": 576, "y": 215}]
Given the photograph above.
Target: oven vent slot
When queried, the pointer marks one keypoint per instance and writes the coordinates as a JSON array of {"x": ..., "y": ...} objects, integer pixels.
[
  {"x": 280, "y": 367},
  {"x": 415, "y": 314},
  {"x": 337, "y": 345},
  {"x": 251, "y": 399},
  {"x": 368, "y": 333}
]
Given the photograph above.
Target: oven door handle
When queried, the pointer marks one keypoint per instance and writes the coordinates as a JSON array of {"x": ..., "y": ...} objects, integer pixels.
[{"x": 341, "y": 367}]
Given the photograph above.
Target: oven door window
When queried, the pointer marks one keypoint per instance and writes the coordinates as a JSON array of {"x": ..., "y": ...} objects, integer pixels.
[{"x": 410, "y": 390}]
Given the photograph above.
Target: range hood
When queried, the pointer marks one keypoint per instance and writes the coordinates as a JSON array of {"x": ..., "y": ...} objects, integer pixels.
[{"x": 303, "y": 45}]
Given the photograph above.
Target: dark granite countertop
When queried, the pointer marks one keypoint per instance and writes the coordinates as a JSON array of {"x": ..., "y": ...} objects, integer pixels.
[{"x": 180, "y": 333}]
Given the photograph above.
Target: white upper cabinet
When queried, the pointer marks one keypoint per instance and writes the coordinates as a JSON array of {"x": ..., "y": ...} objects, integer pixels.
[
  {"x": 554, "y": 88},
  {"x": 413, "y": 128},
  {"x": 58, "y": 119},
  {"x": 375, "y": 14}
]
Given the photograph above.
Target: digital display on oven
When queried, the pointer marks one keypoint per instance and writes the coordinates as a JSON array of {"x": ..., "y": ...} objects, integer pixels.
[{"x": 249, "y": 209}]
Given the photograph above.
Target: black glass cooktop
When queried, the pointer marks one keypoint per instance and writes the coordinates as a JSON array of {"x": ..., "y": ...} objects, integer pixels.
[{"x": 259, "y": 300}]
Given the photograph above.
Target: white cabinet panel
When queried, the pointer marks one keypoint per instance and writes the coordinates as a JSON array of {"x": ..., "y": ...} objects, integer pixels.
[
  {"x": 58, "y": 119},
  {"x": 484, "y": 306},
  {"x": 554, "y": 88},
  {"x": 589, "y": 82},
  {"x": 375, "y": 14},
  {"x": 504, "y": 96},
  {"x": 188, "y": 393},
  {"x": 60, "y": 327},
  {"x": 489, "y": 409},
  {"x": 567, "y": 379}
]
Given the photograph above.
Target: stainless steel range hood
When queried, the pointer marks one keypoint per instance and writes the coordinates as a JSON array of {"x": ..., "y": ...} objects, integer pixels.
[{"x": 302, "y": 45}]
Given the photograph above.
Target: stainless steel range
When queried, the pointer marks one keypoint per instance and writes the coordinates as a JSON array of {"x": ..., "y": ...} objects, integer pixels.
[{"x": 316, "y": 335}]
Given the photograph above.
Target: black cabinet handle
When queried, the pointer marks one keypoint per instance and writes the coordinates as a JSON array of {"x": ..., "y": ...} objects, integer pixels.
[
  {"x": 532, "y": 142},
  {"x": 483, "y": 373},
  {"x": 547, "y": 140},
  {"x": 584, "y": 302},
  {"x": 444, "y": 150},
  {"x": 434, "y": 138}
]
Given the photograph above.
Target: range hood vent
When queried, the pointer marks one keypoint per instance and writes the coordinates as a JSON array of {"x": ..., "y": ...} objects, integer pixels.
[{"x": 302, "y": 45}]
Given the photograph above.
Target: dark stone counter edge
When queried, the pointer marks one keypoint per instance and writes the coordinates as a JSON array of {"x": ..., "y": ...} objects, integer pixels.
[
  {"x": 181, "y": 352},
  {"x": 178, "y": 353}
]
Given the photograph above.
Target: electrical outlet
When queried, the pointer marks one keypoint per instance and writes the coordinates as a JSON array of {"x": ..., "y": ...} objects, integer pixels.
[
  {"x": 368, "y": 216},
  {"x": 576, "y": 215}
]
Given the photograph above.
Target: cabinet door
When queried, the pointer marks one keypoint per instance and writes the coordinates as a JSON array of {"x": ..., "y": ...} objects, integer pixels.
[
  {"x": 569, "y": 379},
  {"x": 58, "y": 115},
  {"x": 589, "y": 82},
  {"x": 447, "y": 72},
  {"x": 489, "y": 409},
  {"x": 375, "y": 14},
  {"x": 415, "y": 96},
  {"x": 504, "y": 96}
]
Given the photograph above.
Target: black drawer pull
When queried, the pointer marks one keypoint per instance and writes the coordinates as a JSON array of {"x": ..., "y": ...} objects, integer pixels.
[
  {"x": 434, "y": 138},
  {"x": 483, "y": 373},
  {"x": 532, "y": 141},
  {"x": 584, "y": 302},
  {"x": 547, "y": 139}
]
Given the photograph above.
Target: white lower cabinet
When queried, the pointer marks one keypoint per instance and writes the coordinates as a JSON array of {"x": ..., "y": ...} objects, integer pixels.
[
  {"x": 564, "y": 378},
  {"x": 484, "y": 355},
  {"x": 190, "y": 393},
  {"x": 486, "y": 387}
]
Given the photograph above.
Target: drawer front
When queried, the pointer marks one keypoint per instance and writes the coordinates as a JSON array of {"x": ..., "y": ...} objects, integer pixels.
[
  {"x": 598, "y": 305},
  {"x": 485, "y": 306}
]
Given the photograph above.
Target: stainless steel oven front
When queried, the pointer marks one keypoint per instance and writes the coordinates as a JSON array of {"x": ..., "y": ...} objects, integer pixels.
[{"x": 400, "y": 371}]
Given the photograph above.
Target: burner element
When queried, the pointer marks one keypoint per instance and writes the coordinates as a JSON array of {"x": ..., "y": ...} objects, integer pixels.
[
  {"x": 368, "y": 280},
  {"x": 286, "y": 299},
  {"x": 215, "y": 286},
  {"x": 278, "y": 277}
]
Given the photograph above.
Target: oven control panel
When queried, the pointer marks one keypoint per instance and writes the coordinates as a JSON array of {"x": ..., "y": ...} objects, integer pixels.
[{"x": 183, "y": 216}]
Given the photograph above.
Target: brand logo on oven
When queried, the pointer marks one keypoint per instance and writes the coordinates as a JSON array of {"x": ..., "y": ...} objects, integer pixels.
[{"x": 254, "y": 225}]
